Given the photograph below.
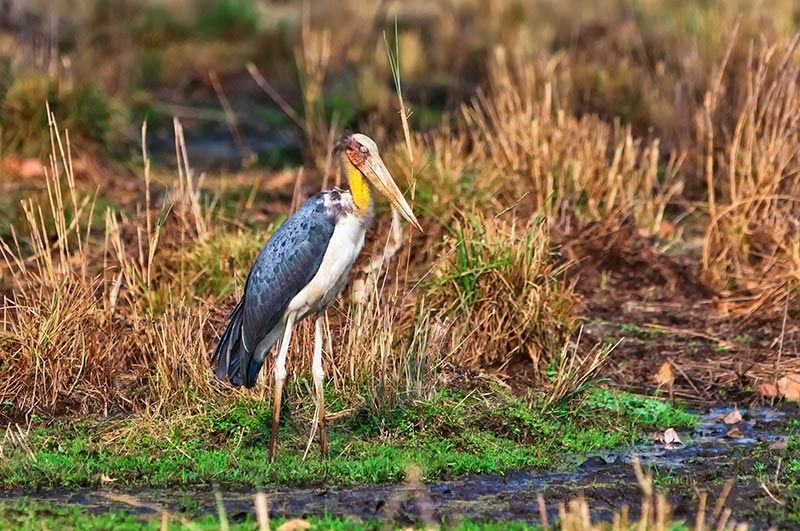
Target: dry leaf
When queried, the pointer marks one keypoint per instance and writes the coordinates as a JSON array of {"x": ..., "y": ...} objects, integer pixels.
[
  {"x": 788, "y": 387},
  {"x": 296, "y": 524},
  {"x": 778, "y": 445},
  {"x": 723, "y": 307},
  {"x": 668, "y": 438},
  {"x": 671, "y": 437},
  {"x": 768, "y": 390},
  {"x": 666, "y": 230},
  {"x": 32, "y": 169},
  {"x": 25, "y": 168},
  {"x": 665, "y": 376},
  {"x": 734, "y": 417},
  {"x": 734, "y": 433},
  {"x": 105, "y": 479}
]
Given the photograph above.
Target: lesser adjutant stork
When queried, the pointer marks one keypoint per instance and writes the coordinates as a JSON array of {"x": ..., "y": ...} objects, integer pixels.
[{"x": 300, "y": 272}]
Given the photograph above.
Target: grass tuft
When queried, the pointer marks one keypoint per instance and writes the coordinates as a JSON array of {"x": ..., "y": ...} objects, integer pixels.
[
  {"x": 90, "y": 117},
  {"x": 752, "y": 242},
  {"x": 501, "y": 286}
]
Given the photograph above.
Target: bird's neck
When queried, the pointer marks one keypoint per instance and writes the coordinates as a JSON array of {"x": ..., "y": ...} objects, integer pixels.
[{"x": 359, "y": 187}]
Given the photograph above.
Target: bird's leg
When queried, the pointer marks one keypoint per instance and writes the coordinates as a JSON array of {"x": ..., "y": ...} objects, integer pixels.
[
  {"x": 319, "y": 375},
  {"x": 280, "y": 377},
  {"x": 319, "y": 405}
]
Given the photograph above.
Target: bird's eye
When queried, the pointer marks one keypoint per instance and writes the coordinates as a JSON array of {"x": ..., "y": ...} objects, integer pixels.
[{"x": 362, "y": 149}]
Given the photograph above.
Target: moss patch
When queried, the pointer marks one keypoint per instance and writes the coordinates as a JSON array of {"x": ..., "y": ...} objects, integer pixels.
[{"x": 453, "y": 433}]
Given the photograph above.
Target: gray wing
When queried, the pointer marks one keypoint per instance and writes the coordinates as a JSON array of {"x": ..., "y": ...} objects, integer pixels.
[{"x": 288, "y": 262}]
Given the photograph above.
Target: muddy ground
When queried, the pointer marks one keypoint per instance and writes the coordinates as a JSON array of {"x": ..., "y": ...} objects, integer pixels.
[
  {"x": 709, "y": 457},
  {"x": 721, "y": 346}
]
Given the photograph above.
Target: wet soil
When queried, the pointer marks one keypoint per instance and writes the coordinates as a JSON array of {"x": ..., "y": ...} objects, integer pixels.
[
  {"x": 606, "y": 479},
  {"x": 722, "y": 346}
]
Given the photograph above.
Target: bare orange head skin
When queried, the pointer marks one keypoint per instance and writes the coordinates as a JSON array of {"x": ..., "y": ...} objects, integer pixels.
[{"x": 362, "y": 152}]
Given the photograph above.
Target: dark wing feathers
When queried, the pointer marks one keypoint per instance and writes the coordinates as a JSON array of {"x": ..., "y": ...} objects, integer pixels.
[
  {"x": 288, "y": 262},
  {"x": 227, "y": 366},
  {"x": 285, "y": 265}
]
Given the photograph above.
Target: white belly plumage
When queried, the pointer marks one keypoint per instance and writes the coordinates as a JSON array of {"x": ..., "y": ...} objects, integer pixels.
[
  {"x": 343, "y": 249},
  {"x": 346, "y": 242}
]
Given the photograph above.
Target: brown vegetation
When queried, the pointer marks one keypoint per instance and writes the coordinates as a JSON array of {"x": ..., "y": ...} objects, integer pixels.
[{"x": 617, "y": 144}]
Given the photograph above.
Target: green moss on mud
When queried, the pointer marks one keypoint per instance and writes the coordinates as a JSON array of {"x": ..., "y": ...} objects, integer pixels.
[
  {"x": 23, "y": 517},
  {"x": 453, "y": 433}
]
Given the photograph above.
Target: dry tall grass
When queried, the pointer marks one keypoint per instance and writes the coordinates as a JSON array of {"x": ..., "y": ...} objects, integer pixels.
[
  {"x": 499, "y": 283},
  {"x": 752, "y": 243},
  {"x": 123, "y": 320},
  {"x": 55, "y": 341},
  {"x": 98, "y": 323},
  {"x": 589, "y": 167}
]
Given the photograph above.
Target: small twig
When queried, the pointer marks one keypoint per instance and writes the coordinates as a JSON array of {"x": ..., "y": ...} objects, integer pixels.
[
  {"x": 543, "y": 512},
  {"x": 251, "y": 198},
  {"x": 296, "y": 191},
  {"x": 780, "y": 342},
  {"x": 262, "y": 511},
  {"x": 223, "y": 516},
  {"x": 146, "y": 162},
  {"x": 276, "y": 97},
  {"x": 135, "y": 502},
  {"x": 691, "y": 383},
  {"x": 723, "y": 496},
  {"x": 776, "y": 500},
  {"x": 314, "y": 422},
  {"x": 646, "y": 484},
  {"x": 692, "y": 333},
  {"x": 231, "y": 120},
  {"x": 700, "y": 522},
  {"x": 723, "y": 521}
]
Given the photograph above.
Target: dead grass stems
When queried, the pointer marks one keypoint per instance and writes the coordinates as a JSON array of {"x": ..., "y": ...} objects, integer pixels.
[
  {"x": 504, "y": 293},
  {"x": 590, "y": 168},
  {"x": 92, "y": 320},
  {"x": 574, "y": 373},
  {"x": 752, "y": 243},
  {"x": 126, "y": 322}
]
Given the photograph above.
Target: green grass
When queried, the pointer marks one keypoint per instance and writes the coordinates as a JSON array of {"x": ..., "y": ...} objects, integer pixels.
[
  {"x": 452, "y": 434},
  {"x": 639, "y": 409},
  {"x": 22, "y": 517},
  {"x": 234, "y": 19},
  {"x": 647, "y": 331},
  {"x": 212, "y": 264},
  {"x": 90, "y": 116}
]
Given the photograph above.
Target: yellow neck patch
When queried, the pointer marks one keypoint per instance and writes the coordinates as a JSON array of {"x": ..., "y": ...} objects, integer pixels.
[{"x": 358, "y": 186}]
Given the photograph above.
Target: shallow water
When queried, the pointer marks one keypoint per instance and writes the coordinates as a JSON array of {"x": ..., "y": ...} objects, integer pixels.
[
  {"x": 606, "y": 478},
  {"x": 217, "y": 149}
]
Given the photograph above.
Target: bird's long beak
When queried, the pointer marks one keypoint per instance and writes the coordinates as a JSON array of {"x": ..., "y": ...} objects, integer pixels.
[{"x": 375, "y": 170}]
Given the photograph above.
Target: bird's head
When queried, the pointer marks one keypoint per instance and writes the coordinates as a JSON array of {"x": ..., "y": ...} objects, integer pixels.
[{"x": 362, "y": 153}]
